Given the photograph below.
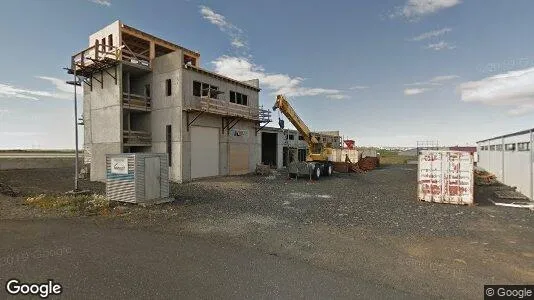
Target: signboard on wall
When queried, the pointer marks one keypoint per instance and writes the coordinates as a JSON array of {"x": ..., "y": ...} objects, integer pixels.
[
  {"x": 239, "y": 133},
  {"x": 119, "y": 165}
]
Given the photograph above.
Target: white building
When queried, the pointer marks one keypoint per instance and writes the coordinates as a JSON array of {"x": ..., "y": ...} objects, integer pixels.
[{"x": 511, "y": 158}]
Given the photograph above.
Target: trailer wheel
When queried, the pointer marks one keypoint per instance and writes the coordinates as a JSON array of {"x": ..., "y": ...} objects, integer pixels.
[
  {"x": 329, "y": 169},
  {"x": 316, "y": 172}
]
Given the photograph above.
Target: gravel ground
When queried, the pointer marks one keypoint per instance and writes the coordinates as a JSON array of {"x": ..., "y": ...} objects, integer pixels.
[
  {"x": 352, "y": 224},
  {"x": 383, "y": 199},
  {"x": 30, "y": 182}
]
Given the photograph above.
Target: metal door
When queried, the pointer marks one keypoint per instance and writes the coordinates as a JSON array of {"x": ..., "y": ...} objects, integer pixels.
[
  {"x": 204, "y": 152},
  {"x": 152, "y": 178}
]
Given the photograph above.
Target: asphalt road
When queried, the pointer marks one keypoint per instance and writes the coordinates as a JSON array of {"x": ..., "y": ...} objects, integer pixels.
[{"x": 98, "y": 261}]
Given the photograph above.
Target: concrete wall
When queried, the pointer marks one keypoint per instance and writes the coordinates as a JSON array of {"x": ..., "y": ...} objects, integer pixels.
[
  {"x": 230, "y": 144},
  {"x": 167, "y": 110},
  {"x": 103, "y": 122},
  {"x": 190, "y": 75},
  {"x": 282, "y": 141},
  {"x": 512, "y": 168},
  {"x": 113, "y": 28}
]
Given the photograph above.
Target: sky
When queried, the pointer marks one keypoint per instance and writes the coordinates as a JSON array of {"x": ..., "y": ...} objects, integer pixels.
[{"x": 384, "y": 73}]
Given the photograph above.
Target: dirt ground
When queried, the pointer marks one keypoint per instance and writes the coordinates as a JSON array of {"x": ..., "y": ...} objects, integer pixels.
[{"x": 351, "y": 224}]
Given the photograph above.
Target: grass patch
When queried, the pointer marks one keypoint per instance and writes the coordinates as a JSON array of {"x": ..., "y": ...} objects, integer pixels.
[
  {"x": 388, "y": 157},
  {"x": 74, "y": 205}
]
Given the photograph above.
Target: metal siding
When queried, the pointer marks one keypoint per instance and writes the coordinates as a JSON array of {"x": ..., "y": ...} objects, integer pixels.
[
  {"x": 131, "y": 187},
  {"x": 445, "y": 177},
  {"x": 514, "y": 168},
  {"x": 121, "y": 187},
  {"x": 152, "y": 178}
]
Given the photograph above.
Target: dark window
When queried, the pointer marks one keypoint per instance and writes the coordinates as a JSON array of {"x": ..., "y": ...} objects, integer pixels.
[
  {"x": 509, "y": 147},
  {"x": 214, "y": 92},
  {"x": 238, "y": 98},
  {"x": 197, "y": 86},
  {"x": 291, "y": 137},
  {"x": 205, "y": 89},
  {"x": 523, "y": 146},
  {"x": 168, "y": 134},
  {"x": 147, "y": 90},
  {"x": 302, "y": 154},
  {"x": 189, "y": 60},
  {"x": 110, "y": 40},
  {"x": 301, "y": 138},
  {"x": 492, "y": 147},
  {"x": 104, "y": 44},
  {"x": 168, "y": 87},
  {"x": 498, "y": 147},
  {"x": 232, "y": 97}
]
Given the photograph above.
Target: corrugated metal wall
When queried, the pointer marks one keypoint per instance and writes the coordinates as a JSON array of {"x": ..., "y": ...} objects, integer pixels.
[{"x": 512, "y": 167}]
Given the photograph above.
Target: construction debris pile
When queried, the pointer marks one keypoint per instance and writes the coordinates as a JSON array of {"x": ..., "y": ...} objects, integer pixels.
[
  {"x": 484, "y": 178},
  {"x": 363, "y": 165},
  {"x": 262, "y": 169},
  {"x": 368, "y": 163}
]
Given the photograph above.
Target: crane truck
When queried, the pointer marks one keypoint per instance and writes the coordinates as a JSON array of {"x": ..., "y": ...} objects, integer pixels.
[{"x": 318, "y": 156}]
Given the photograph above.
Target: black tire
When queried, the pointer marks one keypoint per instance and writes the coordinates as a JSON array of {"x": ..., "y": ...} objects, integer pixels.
[
  {"x": 316, "y": 172},
  {"x": 328, "y": 170}
]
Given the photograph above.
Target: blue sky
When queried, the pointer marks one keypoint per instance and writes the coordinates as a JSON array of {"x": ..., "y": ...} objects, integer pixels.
[{"x": 385, "y": 73}]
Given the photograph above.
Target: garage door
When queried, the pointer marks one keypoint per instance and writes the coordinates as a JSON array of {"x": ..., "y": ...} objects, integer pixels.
[{"x": 204, "y": 152}]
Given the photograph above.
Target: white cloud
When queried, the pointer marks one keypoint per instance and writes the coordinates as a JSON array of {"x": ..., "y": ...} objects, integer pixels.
[
  {"x": 415, "y": 91},
  {"x": 235, "y": 33},
  {"x": 431, "y": 34},
  {"x": 60, "y": 84},
  {"x": 337, "y": 97},
  {"x": 241, "y": 68},
  {"x": 435, "y": 81},
  {"x": 414, "y": 9},
  {"x": 443, "y": 78},
  {"x": 359, "y": 87},
  {"x": 102, "y": 2},
  {"x": 61, "y": 90},
  {"x": 7, "y": 90},
  {"x": 514, "y": 89},
  {"x": 440, "y": 46}
]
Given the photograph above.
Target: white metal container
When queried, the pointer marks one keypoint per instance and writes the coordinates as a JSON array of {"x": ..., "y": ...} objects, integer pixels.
[
  {"x": 445, "y": 177},
  {"x": 137, "y": 178}
]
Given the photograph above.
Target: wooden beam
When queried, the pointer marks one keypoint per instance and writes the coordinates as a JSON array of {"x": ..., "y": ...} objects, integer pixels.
[
  {"x": 152, "y": 53},
  {"x": 145, "y": 36}
]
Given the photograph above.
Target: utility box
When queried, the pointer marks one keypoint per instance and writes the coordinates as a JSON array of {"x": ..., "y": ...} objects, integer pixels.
[
  {"x": 445, "y": 177},
  {"x": 141, "y": 178}
]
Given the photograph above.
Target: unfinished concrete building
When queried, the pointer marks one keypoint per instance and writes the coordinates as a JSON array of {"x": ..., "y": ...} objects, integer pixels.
[
  {"x": 279, "y": 147},
  {"x": 145, "y": 94}
]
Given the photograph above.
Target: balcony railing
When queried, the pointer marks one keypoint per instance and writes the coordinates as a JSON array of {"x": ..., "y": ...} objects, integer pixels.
[
  {"x": 136, "y": 102},
  {"x": 136, "y": 138},
  {"x": 97, "y": 57},
  {"x": 222, "y": 107}
]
